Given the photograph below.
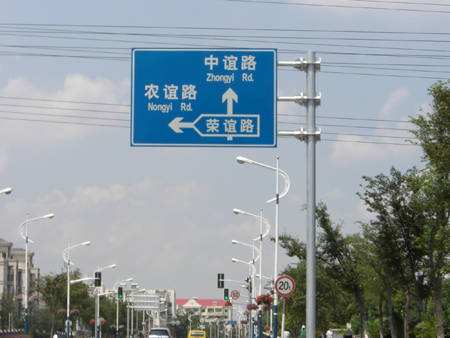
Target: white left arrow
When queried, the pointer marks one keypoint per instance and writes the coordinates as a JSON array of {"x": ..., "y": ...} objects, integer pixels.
[
  {"x": 230, "y": 96},
  {"x": 177, "y": 125}
]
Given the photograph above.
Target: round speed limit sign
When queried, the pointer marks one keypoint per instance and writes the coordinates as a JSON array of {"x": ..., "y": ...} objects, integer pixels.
[
  {"x": 285, "y": 286},
  {"x": 235, "y": 295}
]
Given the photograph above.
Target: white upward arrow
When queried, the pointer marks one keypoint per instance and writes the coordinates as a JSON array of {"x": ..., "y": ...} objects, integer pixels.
[
  {"x": 177, "y": 126},
  {"x": 229, "y": 96}
]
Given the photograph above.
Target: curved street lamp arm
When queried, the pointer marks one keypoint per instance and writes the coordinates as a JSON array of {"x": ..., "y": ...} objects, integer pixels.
[
  {"x": 287, "y": 186},
  {"x": 265, "y": 220}
]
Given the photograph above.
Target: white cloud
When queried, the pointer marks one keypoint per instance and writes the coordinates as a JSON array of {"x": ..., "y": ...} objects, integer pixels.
[
  {"x": 75, "y": 87},
  {"x": 343, "y": 153},
  {"x": 128, "y": 224},
  {"x": 395, "y": 99}
]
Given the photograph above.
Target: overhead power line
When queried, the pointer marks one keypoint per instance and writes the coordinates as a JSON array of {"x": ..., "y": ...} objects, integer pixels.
[
  {"x": 63, "y": 101},
  {"x": 63, "y": 122},
  {"x": 82, "y": 102},
  {"x": 321, "y": 116},
  {"x": 228, "y": 28},
  {"x": 252, "y": 39},
  {"x": 347, "y": 126},
  {"x": 63, "y": 115},
  {"x": 75, "y": 123},
  {"x": 121, "y": 59},
  {"x": 64, "y": 108},
  {"x": 227, "y": 37},
  {"x": 402, "y": 2},
  {"x": 309, "y": 4}
]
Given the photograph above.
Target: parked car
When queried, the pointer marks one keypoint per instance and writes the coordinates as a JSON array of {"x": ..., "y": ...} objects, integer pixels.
[
  {"x": 197, "y": 334},
  {"x": 159, "y": 332}
]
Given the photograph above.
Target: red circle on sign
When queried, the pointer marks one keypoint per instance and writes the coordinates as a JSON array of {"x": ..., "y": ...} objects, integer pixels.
[
  {"x": 235, "y": 294},
  {"x": 285, "y": 285}
]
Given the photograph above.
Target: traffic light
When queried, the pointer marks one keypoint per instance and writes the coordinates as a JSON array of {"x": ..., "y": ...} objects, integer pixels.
[
  {"x": 220, "y": 280},
  {"x": 226, "y": 297},
  {"x": 120, "y": 293},
  {"x": 98, "y": 278}
]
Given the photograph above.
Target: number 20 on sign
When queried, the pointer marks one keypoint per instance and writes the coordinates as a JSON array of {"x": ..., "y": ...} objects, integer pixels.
[{"x": 285, "y": 286}]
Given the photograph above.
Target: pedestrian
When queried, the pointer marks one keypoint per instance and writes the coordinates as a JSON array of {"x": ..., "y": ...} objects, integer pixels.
[{"x": 303, "y": 332}]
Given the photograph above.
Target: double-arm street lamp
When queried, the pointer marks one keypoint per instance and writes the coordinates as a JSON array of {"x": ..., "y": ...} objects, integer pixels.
[
  {"x": 66, "y": 258},
  {"x": 23, "y": 230},
  {"x": 253, "y": 261},
  {"x": 251, "y": 265},
  {"x": 260, "y": 238},
  {"x": 133, "y": 292},
  {"x": 276, "y": 199}
]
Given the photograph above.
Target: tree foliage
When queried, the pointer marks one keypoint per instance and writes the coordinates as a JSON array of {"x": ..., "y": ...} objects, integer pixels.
[{"x": 392, "y": 274}]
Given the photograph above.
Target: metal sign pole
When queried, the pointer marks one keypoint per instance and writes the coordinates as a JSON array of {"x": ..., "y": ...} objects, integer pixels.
[
  {"x": 311, "y": 196},
  {"x": 311, "y": 135},
  {"x": 283, "y": 318}
]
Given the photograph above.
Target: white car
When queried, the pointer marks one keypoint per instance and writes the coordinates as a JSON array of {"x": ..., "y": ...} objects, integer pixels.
[{"x": 159, "y": 332}]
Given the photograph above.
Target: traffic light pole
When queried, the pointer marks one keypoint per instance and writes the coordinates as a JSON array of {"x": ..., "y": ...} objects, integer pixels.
[
  {"x": 128, "y": 321},
  {"x": 311, "y": 135},
  {"x": 68, "y": 296},
  {"x": 249, "y": 310},
  {"x": 97, "y": 313},
  {"x": 117, "y": 315}
]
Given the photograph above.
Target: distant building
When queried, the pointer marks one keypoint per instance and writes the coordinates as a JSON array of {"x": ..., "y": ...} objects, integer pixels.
[
  {"x": 209, "y": 310},
  {"x": 12, "y": 272}
]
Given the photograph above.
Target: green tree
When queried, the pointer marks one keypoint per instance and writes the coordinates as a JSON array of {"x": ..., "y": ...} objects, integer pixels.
[
  {"x": 53, "y": 289},
  {"x": 9, "y": 310},
  {"x": 341, "y": 262},
  {"x": 395, "y": 233},
  {"x": 433, "y": 134},
  {"x": 334, "y": 302}
]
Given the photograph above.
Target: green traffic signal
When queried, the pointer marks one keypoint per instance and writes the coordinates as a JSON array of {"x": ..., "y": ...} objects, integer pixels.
[{"x": 226, "y": 297}]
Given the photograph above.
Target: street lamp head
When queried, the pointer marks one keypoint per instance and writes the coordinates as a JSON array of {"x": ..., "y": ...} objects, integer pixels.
[
  {"x": 243, "y": 160},
  {"x": 6, "y": 191},
  {"x": 237, "y": 211},
  {"x": 128, "y": 280},
  {"x": 86, "y": 243},
  {"x": 234, "y": 241},
  {"x": 48, "y": 216},
  {"x": 234, "y": 260}
]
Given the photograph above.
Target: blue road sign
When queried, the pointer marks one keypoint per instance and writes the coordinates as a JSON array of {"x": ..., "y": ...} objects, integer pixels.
[{"x": 217, "y": 97}]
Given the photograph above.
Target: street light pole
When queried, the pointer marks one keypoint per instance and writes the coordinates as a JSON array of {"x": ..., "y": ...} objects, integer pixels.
[
  {"x": 275, "y": 271},
  {"x": 278, "y": 196},
  {"x": 66, "y": 258},
  {"x": 23, "y": 229},
  {"x": 251, "y": 265},
  {"x": 261, "y": 236}
]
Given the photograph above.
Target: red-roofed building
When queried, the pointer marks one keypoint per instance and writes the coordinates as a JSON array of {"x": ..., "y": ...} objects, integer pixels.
[{"x": 206, "y": 308}]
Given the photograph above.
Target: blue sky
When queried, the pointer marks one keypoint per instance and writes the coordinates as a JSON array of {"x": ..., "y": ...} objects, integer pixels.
[{"x": 165, "y": 214}]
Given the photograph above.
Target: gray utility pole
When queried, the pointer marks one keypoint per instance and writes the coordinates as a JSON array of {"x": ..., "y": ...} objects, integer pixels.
[
  {"x": 98, "y": 330},
  {"x": 128, "y": 321},
  {"x": 310, "y": 135}
]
